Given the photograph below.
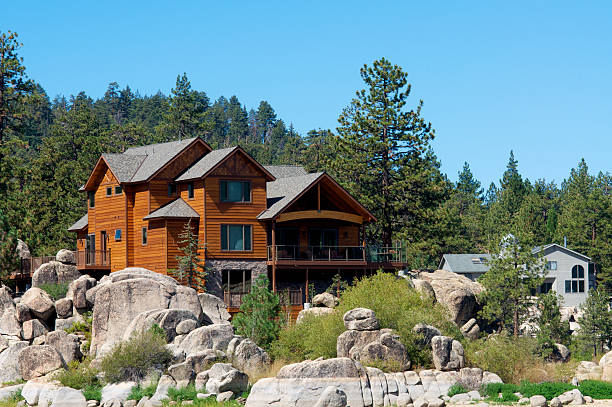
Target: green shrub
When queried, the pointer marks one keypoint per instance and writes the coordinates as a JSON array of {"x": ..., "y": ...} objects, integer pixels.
[
  {"x": 596, "y": 389},
  {"x": 183, "y": 394},
  {"x": 135, "y": 358},
  {"x": 397, "y": 306},
  {"x": 456, "y": 389},
  {"x": 78, "y": 375},
  {"x": 139, "y": 392},
  {"x": 93, "y": 392},
  {"x": 83, "y": 327},
  {"x": 510, "y": 358},
  {"x": 56, "y": 291},
  {"x": 546, "y": 389},
  {"x": 12, "y": 400}
]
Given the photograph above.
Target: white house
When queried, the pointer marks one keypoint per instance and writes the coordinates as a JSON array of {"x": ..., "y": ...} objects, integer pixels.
[{"x": 570, "y": 273}]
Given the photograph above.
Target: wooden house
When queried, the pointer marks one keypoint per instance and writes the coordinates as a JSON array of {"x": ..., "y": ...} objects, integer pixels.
[{"x": 299, "y": 228}]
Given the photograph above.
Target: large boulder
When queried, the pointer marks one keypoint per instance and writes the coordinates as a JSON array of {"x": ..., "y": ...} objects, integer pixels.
[
  {"x": 456, "y": 292},
  {"x": 246, "y": 356},
  {"x": 40, "y": 391},
  {"x": 426, "y": 332},
  {"x": 77, "y": 292},
  {"x": 65, "y": 256},
  {"x": 40, "y": 303},
  {"x": 224, "y": 377},
  {"x": 332, "y": 397},
  {"x": 588, "y": 371},
  {"x": 324, "y": 300},
  {"x": 214, "y": 309},
  {"x": 167, "y": 319},
  {"x": 470, "y": 329},
  {"x": 22, "y": 249},
  {"x": 38, "y": 360},
  {"x": 361, "y": 319},
  {"x": 605, "y": 363},
  {"x": 216, "y": 337},
  {"x": 22, "y": 313},
  {"x": 9, "y": 324},
  {"x": 33, "y": 329},
  {"x": 6, "y": 298},
  {"x": 68, "y": 345},
  {"x": 68, "y": 397},
  {"x": 369, "y": 346},
  {"x": 316, "y": 311},
  {"x": 54, "y": 272},
  {"x": 9, "y": 361},
  {"x": 63, "y": 308},
  {"x": 123, "y": 295},
  {"x": 116, "y": 392},
  {"x": 447, "y": 353}
]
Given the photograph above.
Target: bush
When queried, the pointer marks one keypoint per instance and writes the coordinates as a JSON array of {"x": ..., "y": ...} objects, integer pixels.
[
  {"x": 56, "y": 291},
  {"x": 78, "y": 375},
  {"x": 139, "y": 392},
  {"x": 134, "y": 359},
  {"x": 183, "y": 394},
  {"x": 596, "y": 389},
  {"x": 546, "y": 389},
  {"x": 93, "y": 392},
  {"x": 13, "y": 400},
  {"x": 510, "y": 358},
  {"x": 456, "y": 389},
  {"x": 397, "y": 306},
  {"x": 83, "y": 327}
]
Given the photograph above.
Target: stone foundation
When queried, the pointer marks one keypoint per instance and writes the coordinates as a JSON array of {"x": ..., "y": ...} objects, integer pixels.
[{"x": 215, "y": 268}]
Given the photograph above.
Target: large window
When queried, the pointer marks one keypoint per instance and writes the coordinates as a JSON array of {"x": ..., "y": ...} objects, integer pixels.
[
  {"x": 190, "y": 190},
  {"x": 236, "y": 237},
  {"x": 576, "y": 284},
  {"x": 92, "y": 199},
  {"x": 235, "y": 191}
]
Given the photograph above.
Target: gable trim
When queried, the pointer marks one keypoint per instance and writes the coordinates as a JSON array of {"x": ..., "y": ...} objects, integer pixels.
[
  {"x": 269, "y": 176},
  {"x": 177, "y": 155}
]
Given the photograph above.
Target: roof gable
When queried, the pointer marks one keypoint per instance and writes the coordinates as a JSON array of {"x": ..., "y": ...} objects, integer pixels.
[
  {"x": 546, "y": 249},
  {"x": 80, "y": 224},
  {"x": 286, "y": 171},
  {"x": 467, "y": 263},
  {"x": 178, "y": 209}
]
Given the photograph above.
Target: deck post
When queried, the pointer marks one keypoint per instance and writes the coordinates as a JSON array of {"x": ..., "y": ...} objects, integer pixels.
[
  {"x": 274, "y": 256},
  {"x": 307, "y": 291}
]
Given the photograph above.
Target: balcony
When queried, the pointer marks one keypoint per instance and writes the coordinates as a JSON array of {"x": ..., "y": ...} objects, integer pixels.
[
  {"x": 93, "y": 260},
  {"x": 233, "y": 300},
  {"x": 336, "y": 255}
]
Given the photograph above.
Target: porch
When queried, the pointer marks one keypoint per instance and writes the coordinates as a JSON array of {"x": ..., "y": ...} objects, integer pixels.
[
  {"x": 93, "y": 260},
  {"x": 368, "y": 255}
]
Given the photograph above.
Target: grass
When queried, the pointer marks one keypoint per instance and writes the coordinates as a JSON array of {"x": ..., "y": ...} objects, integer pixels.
[
  {"x": 139, "y": 392},
  {"x": 56, "y": 291},
  {"x": 79, "y": 375},
  {"x": 12, "y": 401},
  {"x": 597, "y": 389},
  {"x": 93, "y": 392},
  {"x": 83, "y": 327},
  {"x": 183, "y": 394},
  {"x": 456, "y": 389}
]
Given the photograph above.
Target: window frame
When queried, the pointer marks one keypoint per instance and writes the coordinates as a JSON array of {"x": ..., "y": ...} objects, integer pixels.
[
  {"x": 190, "y": 190},
  {"x": 109, "y": 191},
  {"x": 549, "y": 265},
  {"x": 118, "y": 188},
  {"x": 576, "y": 282},
  {"x": 144, "y": 238},
  {"x": 91, "y": 197},
  {"x": 227, "y": 227},
  {"x": 120, "y": 235},
  {"x": 243, "y": 183},
  {"x": 171, "y": 189}
]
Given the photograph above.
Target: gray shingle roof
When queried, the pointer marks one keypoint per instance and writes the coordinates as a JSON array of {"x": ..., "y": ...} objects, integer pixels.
[
  {"x": 463, "y": 263},
  {"x": 79, "y": 224},
  {"x": 205, "y": 164},
  {"x": 285, "y": 171},
  {"x": 175, "y": 209},
  {"x": 157, "y": 155},
  {"x": 124, "y": 166},
  {"x": 284, "y": 190}
]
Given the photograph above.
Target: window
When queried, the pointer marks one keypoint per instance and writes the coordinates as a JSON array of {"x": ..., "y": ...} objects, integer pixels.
[
  {"x": 92, "y": 199},
  {"x": 117, "y": 235},
  {"x": 109, "y": 191},
  {"x": 235, "y": 191},
  {"x": 171, "y": 189},
  {"x": 144, "y": 236},
  {"x": 190, "y": 190},
  {"x": 546, "y": 287},
  {"x": 118, "y": 190},
  {"x": 236, "y": 281},
  {"x": 236, "y": 237},
  {"x": 551, "y": 265},
  {"x": 576, "y": 284}
]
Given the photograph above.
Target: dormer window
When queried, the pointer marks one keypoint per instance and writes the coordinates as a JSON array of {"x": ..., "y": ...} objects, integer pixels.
[
  {"x": 171, "y": 189},
  {"x": 235, "y": 191}
]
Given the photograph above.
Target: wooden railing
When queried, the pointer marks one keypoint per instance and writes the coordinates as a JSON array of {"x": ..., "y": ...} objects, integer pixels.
[
  {"x": 372, "y": 254},
  {"x": 27, "y": 267},
  {"x": 93, "y": 259},
  {"x": 287, "y": 297}
]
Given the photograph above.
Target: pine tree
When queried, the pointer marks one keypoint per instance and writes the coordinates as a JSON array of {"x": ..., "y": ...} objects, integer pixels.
[
  {"x": 191, "y": 267},
  {"x": 552, "y": 329},
  {"x": 260, "y": 316},
  {"x": 467, "y": 184},
  {"x": 383, "y": 153},
  {"x": 596, "y": 321},
  {"x": 8, "y": 246},
  {"x": 513, "y": 275}
]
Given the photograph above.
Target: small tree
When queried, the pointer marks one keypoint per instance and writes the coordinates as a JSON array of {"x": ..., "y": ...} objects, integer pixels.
[
  {"x": 260, "y": 316},
  {"x": 552, "y": 329},
  {"x": 8, "y": 247},
  {"x": 596, "y": 321},
  {"x": 509, "y": 284},
  {"x": 191, "y": 267}
]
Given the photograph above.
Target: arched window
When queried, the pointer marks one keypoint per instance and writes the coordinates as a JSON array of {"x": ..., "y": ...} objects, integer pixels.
[{"x": 576, "y": 284}]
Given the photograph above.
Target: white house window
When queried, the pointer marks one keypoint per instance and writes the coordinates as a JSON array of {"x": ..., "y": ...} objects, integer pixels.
[
  {"x": 576, "y": 284},
  {"x": 551, "y": 265}
]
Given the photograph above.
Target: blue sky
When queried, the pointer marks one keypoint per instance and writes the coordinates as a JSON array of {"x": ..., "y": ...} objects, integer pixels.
[{"x": 530, "y": 76}]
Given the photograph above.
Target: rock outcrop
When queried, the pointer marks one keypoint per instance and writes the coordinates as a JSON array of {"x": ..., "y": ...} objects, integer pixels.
[
  {"x": 214, "y": 309},
  {"x": 456, "y": 292},
  {"x": 315, "y": 311},
  {"x": 40, "y": 303},
  {"x": 447, "y": 353},
  {"x": 246, "y": 356},
  {"x": 361, "y": 319},
  {"x": 123, "y": 295},
  {"x": 54, "y": 272},
  {"x": 38, "y": 360},
  {"x": 167, "y": 319},
  {"x": 324, "y": 300}
]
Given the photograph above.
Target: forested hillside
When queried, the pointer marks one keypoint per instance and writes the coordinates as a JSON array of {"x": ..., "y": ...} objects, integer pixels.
[{"x": 381, "y": 153}]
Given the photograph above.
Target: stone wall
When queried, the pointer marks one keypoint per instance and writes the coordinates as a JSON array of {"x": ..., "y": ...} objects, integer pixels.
[{"x": 215, "y": 268}]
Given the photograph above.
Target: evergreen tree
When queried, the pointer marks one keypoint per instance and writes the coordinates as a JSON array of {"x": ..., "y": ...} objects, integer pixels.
[
  {"x": 191, "y": 267},
  {"x": 467, "y": 184},
  {"x": 260, "y": 316},
  {"x": 238, "y": 131},
  {"x": 265, "y": 120},
  {"x": 596, "y": 322},
  {"x": 552, "y": 329},
  {"x": 513, "y": 275},
  {"x": 8, "y": 246},
  {"x": 384, "y": 157},
  {"x": 318, "y": 152}
]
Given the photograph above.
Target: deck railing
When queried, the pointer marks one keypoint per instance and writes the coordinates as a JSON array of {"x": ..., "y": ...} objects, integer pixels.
[
  {"x": 287, "y": 297},
  {"x": 372, "y": 254},
  {"x": 27, "y": 267},
  {"x": 93, "y": 258}
]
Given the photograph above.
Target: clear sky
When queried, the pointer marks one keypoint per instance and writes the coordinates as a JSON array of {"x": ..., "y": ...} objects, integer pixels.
[{"x": 532, "y": 76}]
